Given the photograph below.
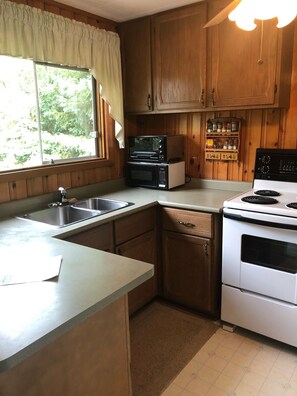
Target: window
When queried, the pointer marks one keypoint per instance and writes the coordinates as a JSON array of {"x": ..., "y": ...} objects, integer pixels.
[{"x": 47, "y": 114}]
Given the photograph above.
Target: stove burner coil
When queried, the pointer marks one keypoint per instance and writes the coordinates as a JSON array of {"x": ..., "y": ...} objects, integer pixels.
[
  {"x": 292, "y": 205},
  {"x": 254, "y": 199},
  {"x": 267, "y": 193}
]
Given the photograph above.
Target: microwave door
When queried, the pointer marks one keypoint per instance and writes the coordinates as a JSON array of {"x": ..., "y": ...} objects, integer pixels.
[{"x": 142, "y": 175}]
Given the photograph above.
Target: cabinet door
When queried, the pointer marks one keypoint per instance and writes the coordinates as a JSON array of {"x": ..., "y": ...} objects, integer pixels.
[
  {"x": 136, "y": 61},
  {"x": 187, "y": 272},
  {"x": 179, "y": 64},
  {"x": 98, "y": 238},
  {"x": 248, "y": 68},
  {"x": 141, "y": 248}
]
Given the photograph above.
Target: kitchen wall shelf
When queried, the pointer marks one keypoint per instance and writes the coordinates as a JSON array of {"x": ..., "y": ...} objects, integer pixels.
[{"x": 222, "y": 139}]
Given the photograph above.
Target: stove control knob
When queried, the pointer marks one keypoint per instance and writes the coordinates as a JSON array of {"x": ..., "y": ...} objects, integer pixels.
[
  {"x": 266, "y": 159},
  {"x": 265, "y": 169}
]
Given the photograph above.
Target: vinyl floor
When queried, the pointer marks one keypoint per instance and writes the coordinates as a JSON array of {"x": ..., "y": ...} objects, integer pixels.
[{"x": 238, "y": 364}]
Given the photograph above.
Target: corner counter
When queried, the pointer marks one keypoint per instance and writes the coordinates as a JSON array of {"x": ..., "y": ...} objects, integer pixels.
[{"x": 61, "y": 332}]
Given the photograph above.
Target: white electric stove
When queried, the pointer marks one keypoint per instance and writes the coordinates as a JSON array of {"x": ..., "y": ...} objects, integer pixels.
[{"x": 259, "y": 266}]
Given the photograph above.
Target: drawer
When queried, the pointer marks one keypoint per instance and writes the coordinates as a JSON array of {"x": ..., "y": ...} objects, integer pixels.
[
  {"x": 188, "y": 222},
  {"x": 136, "y": 224}
]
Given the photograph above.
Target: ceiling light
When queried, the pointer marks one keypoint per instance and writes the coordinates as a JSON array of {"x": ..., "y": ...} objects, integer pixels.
[{"x": 247, "y": 11}]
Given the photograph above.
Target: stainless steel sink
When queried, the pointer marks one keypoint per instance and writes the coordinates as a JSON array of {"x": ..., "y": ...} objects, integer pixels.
[
  {"x": 60, "y": 216},
  {"x": 103, "y": 205}
]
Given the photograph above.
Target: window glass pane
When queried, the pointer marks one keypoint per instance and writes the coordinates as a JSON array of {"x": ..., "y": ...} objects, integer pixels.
[
  {"x": 19, "y": 141},
  {"x": 46, "y": 114},
  {"x": 66, "y": 113}
]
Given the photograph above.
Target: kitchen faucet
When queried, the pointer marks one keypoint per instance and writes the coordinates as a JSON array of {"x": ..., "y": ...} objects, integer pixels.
[
  {"x": 63, "y": 195},
  {"x": 62, "y": 199}
]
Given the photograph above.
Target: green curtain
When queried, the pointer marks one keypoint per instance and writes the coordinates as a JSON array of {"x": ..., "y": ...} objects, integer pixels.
[{"x": 32, "y": 33}]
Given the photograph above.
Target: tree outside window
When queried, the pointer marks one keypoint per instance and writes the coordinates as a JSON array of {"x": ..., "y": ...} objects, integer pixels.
[{"x": 47, "y": 114}]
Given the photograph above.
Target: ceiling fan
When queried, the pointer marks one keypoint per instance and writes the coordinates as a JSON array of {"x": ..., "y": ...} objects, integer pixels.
[
  {"x": 245, "y": 12},
  {"x": 223, "y": 14}
]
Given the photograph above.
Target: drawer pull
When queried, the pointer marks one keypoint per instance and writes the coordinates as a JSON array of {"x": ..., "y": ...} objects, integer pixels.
[{"x": 189, "y": 225}]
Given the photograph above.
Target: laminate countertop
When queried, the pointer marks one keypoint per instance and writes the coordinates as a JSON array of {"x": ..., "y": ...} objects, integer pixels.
[{"x": 34, "y": 314}]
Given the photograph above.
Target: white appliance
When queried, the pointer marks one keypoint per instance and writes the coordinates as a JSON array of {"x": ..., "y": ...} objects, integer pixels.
[{"x": 259, "y": 263}]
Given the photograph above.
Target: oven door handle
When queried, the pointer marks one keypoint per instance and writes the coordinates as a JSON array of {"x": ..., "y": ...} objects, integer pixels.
[{"x": 272, "y": 224}]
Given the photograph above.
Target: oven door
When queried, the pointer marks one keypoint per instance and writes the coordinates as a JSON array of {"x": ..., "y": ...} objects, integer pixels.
[{"x": 260, "y": 254}]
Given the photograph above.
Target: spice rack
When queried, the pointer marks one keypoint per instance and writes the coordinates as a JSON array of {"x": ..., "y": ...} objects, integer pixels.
[{"x": 222, "y": 139}]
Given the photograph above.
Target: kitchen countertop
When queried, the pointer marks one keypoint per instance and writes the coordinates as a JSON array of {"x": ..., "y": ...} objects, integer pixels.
[{"x": 34, "y": 314}]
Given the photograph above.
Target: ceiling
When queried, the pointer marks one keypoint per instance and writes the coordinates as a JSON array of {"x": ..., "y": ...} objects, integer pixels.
[{"x": 124, "y": 10}]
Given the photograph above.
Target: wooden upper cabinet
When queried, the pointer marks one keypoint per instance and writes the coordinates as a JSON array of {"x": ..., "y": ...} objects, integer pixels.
[
  {"x": 136, "y": 65},
  {"x": 171, "y": 63},
  {"x": 248, "y": 69},
  {"x": 179, "y": 58}
]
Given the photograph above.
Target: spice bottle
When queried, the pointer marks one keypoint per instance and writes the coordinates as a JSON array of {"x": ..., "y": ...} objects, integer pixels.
[
  {"x": 234, "y": 126},
  {"x": 209, "y": 126},
  {"x": 209, "y": 143}
]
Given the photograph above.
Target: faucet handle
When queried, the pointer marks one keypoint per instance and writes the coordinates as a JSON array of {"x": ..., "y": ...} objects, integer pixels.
[{"x": 63, "y": 193}]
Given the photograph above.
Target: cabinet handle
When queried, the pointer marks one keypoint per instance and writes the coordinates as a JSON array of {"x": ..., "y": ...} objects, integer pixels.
[
  {"x": 189, "y": 225},
  {"x": 149, "y": 101},
  {"x": 202, "y": 98},
  {"x": 206, "y": 249},
  {"x": 213, "y": 97}
]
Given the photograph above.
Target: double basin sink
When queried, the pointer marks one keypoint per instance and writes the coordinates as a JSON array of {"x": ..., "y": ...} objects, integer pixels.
[{"x": 61, "y": 216}]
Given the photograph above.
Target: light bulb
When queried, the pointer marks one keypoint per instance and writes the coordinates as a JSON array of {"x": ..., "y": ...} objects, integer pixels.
[
  {"x": 245, "y": 24},
  {"x": 286, "y": 13},
  {"x": 247, "y": 11}
]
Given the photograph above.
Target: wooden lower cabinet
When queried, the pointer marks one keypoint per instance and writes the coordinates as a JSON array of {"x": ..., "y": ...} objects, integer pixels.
[
  {"x": 100, "y": 238},
  {"x": 191, "y": 259},
  {"x": 131, "y": 236},
  {"x": 93, "y": 358},
  {"x": 141, "y": 248},
  {"x": 190, "y": 274},
  {"x": 135, "y": 237},
  {"x": 187, "y": 270}
]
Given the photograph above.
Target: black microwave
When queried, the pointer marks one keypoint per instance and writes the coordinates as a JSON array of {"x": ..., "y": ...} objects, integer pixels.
[
  {"x": 159, "y": 176},
  {"x": 156, "y": 148}
]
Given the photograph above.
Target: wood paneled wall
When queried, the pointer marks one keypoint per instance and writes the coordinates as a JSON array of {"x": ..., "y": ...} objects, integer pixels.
[
  {"x": 70, "y": 12},
  {"x": 261, "y": 128}
]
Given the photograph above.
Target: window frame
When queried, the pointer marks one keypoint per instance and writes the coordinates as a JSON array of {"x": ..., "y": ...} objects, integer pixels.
[{"x": 105, "y": 126}]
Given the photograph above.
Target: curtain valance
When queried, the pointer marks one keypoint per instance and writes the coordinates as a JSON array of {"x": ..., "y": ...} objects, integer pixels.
[{"x": 45, "y": 37}]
